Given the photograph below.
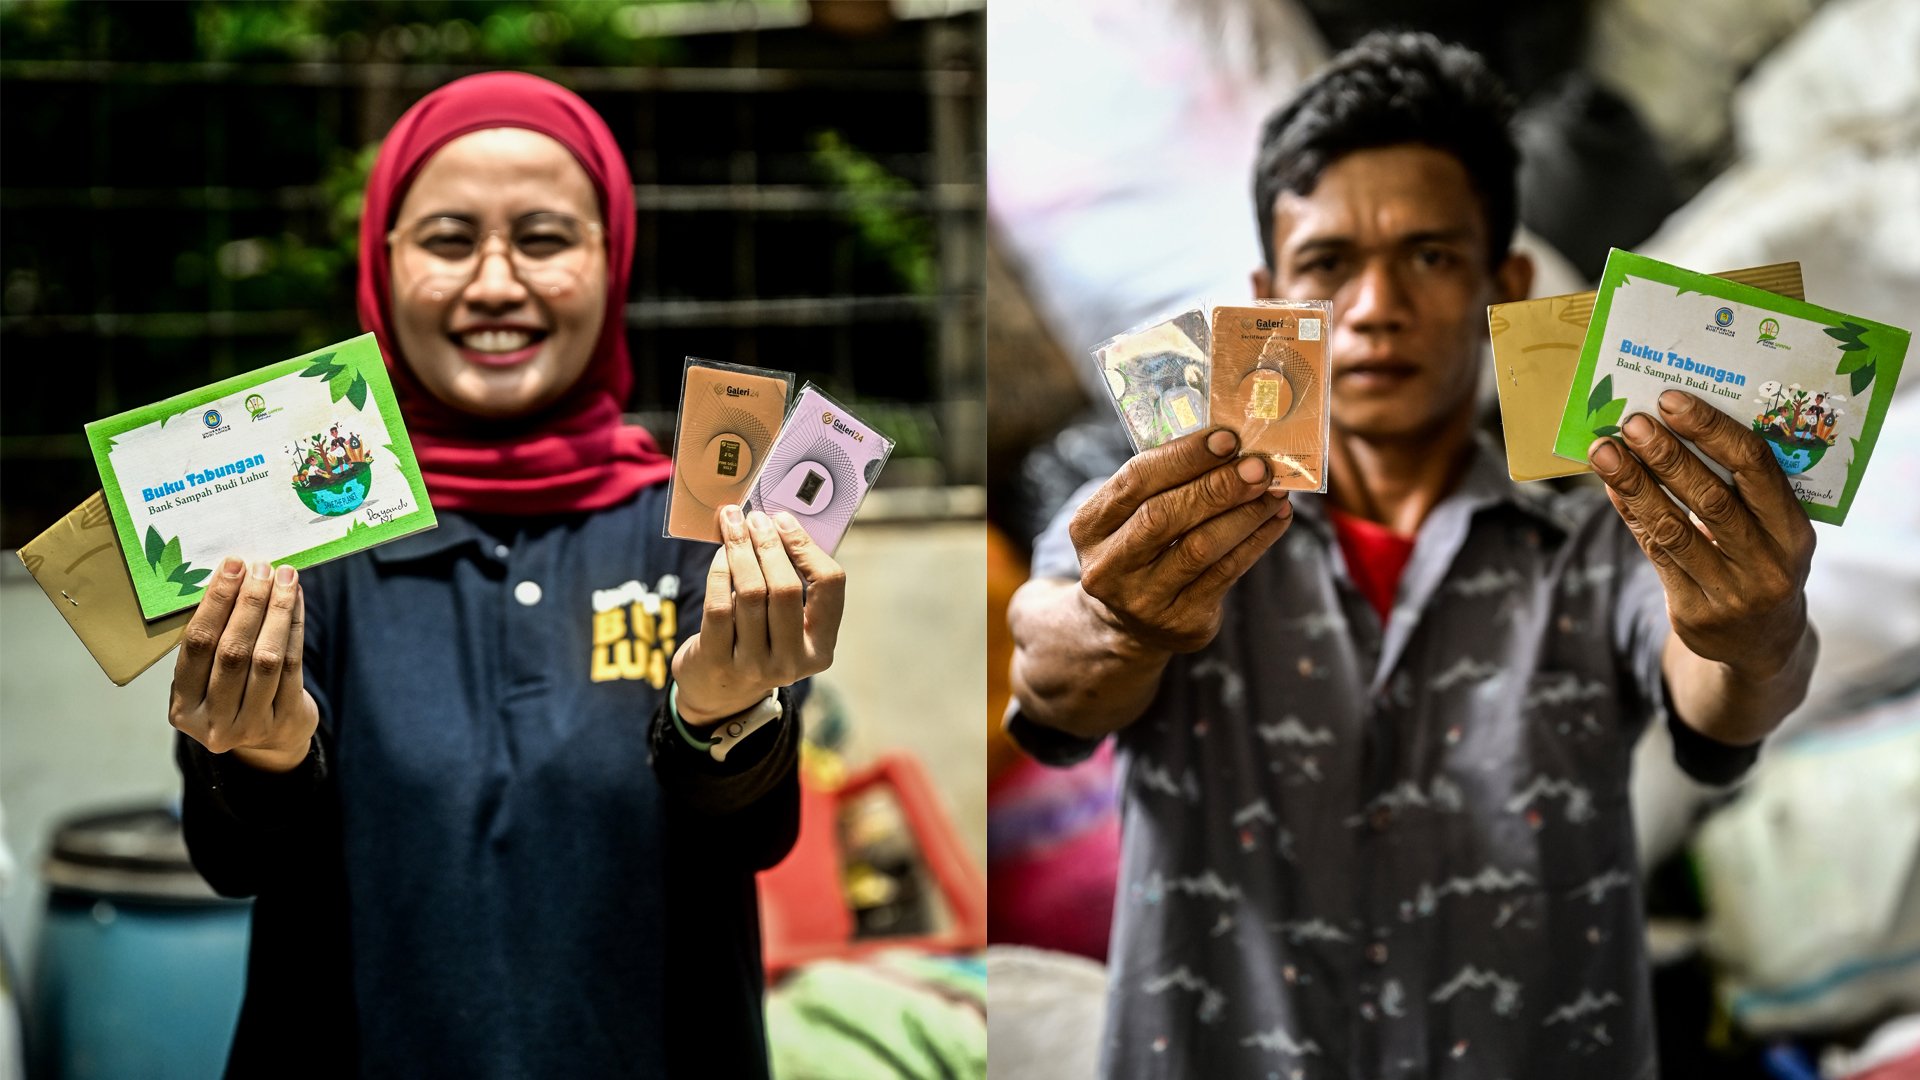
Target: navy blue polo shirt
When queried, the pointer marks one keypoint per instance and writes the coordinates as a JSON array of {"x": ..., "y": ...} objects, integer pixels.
[{"x": 501, "y": 860}]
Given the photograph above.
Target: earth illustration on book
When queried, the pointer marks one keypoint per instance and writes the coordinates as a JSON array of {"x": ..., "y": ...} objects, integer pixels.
[
  {"x": 1798, "y": 425},
  {"x": 332, "y": 473}
]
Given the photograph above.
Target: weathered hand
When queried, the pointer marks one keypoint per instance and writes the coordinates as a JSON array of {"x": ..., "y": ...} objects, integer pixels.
[
  {"x": 1736, "y": 584},
  {"x": 236, "y": 682},
  {"x": 1162, "y": 541},
  {"x": 759, "y": 629}
]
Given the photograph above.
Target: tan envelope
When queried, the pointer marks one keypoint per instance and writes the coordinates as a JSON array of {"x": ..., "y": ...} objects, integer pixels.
[
  {"x": 79, "y": 566},
  {"x": 1536, "y": 350}
]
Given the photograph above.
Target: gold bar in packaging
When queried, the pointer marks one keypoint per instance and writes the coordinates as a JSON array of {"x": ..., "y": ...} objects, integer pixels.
[{"x": 1271, "y": 383}]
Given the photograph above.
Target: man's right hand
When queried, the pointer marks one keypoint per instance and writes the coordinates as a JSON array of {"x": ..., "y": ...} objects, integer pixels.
[
  {"x": 1162, "y": 541},
  {"x": 236, "y": 684}
]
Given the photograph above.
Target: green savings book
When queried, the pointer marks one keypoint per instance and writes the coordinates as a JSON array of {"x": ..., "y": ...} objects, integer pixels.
[
  {"x": 1813, "y": 382},
  {"x": 299, "y": 462}
]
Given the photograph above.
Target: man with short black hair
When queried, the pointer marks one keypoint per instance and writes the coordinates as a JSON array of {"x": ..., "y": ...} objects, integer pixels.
[{"x": 1375, "y": 782}]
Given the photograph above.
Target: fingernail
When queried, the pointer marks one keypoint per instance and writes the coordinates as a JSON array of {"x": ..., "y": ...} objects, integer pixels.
[
  {"x": 731, "y": 515},
  {"x": 1675, "y": 401},
  {"x": 262, "y": 571},
  {"x": 758, "y": 522},
  {"x": 786, "y": 521},
  {"x": 284, "y": 575},
  {"x": 1605, "y": 456},
  {"x": 1222, "y": 442},
  {"x": 232, "y": 567},
  {"x": 1639, "y": 428},
  {"x": 1253, "y": 470}
]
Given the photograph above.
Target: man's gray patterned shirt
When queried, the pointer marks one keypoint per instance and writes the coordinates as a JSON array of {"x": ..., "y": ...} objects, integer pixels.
[{"x": 1357, "y": 851}]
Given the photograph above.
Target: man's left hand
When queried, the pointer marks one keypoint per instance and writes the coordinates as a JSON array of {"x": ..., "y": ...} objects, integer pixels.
[{"x": 1736, "y": 583}]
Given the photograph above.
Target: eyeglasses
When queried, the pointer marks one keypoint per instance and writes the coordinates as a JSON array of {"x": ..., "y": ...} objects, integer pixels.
[{"x": 441, "y": 256}]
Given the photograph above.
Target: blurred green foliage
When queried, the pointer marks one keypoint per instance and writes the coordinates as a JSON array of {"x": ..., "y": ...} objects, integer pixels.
[
  {"x": 888, "y": 224},
  {"x": 305, "y": 260},
  {"x": 511, "y": 32}
]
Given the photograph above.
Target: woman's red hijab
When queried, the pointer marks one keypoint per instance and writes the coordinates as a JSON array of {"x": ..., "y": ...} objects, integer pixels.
[{"x": 577, "y": 455}]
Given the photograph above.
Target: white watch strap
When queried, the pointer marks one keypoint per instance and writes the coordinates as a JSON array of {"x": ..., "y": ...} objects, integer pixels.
[{"x": 729, "y": 734}]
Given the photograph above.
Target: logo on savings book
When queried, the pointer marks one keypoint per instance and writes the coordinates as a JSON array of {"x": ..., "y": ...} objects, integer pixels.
[{"x": 1770, "y": 334}]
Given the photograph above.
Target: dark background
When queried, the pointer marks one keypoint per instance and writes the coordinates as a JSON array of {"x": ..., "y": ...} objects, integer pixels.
[{"x": 180, "y": 187}]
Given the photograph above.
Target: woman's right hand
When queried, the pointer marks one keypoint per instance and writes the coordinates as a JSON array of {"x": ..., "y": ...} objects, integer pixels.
[{"x": 236, "y": 684}]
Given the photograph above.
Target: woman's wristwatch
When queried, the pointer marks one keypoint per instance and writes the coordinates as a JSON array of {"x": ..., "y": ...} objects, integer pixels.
[{"x": 730, "y": 732}]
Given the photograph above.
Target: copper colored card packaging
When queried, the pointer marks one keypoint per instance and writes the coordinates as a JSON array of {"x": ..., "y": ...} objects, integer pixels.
[
  {"x": 1271, "y": 383},
  {"x": 820, "y": 467},
  {"x": 1157, "y": 374},
  {"x": 729, "y": 417}
]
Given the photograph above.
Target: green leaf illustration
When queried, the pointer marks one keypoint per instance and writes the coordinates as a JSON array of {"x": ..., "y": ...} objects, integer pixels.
[
  {"x": 1602, "y": 392},
  {"x": 187, "y": 578},
  {"x": 1608, "y": 414},
  {"x": 340, "y": 384},
  {"x": 1849, "y": 364},
  {"x": 322, "y": 366},
  {"x": 357, "y": 393},
  {"x": 1607, "y": 431},
  {"x": 169, "y": 558},
  {"x": 164, "y": 557},
  {"x": 1862, "y": 377}
]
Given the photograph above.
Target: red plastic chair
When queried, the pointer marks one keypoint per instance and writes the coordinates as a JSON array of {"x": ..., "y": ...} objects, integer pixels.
[{"x": 803, "y": 907}]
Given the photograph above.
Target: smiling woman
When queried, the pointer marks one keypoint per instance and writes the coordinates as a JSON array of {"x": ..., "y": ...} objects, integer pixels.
[
  {"x": 499, "y": 337},
  {"x": 473, "y": 847}
]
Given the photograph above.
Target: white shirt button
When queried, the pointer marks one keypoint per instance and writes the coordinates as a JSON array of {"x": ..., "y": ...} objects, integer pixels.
[
  {"x": 499, "y": 551},
  {"x": 527, "y": 592}
]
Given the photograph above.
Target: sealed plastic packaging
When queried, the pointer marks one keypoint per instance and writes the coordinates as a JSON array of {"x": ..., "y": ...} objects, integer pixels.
[
  {"x": 730, "y": 415},
  {"x": 820, "y": 468},
  {"x": 1272, "y": 384},
  {"x": 1157, "y": 374}
]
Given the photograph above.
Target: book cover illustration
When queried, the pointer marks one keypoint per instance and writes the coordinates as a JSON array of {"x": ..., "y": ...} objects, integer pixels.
[
  {"x": 1536, "y": 352},
  {"x": 300, "y": 462},
  {"x": 1813, "y": 382}
]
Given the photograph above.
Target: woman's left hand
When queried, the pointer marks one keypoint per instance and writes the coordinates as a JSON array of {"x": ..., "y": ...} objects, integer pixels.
[{"x": 759, "y": 630}]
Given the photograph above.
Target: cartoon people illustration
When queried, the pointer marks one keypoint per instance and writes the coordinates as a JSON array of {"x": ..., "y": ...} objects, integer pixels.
[
  {"x": 1800, "y": 426},
  {"x": 332, "y": 470},
  {"x": 325, "y": 458}
]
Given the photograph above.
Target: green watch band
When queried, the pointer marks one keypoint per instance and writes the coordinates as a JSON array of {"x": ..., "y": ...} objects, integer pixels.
[{"x": 673, "y": 706}]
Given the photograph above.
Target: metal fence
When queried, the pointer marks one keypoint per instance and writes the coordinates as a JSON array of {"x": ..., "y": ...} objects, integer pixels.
[{"x": 806, "y": 200}]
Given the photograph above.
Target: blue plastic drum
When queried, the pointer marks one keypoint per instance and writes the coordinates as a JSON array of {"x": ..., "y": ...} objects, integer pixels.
[{"x": 141, "y": 966}]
